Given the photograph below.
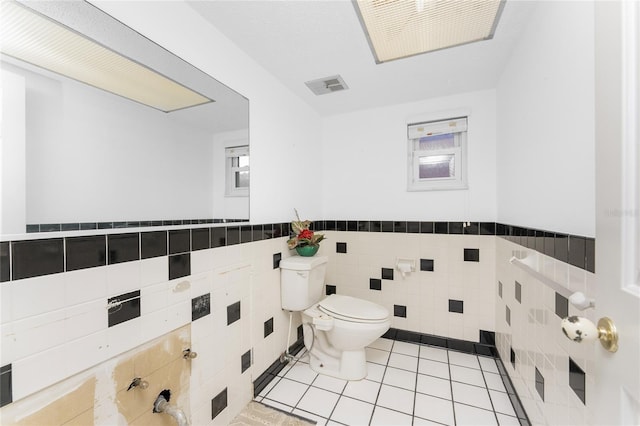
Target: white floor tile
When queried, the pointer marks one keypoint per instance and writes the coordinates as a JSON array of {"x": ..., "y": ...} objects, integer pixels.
[
  {"x": 488, "y": 364},
  {"x": 400, "y": 378},
  {"x": 494, "y": 381},
  {"x": 364, "y": 390},
  {"x": 433, "y": 353},
  {"x": 417, "y": 421},
  {"x": 465, "y": 360},
  {"x": 406, "y": 348},
  {"x": 287, "y": 392},
  {"x": 467, "y": 375},
  {"x": 384, "y": 417},
  {"x": 405, "y": 362},
  {"x": 319, "y": 402},
  {"x": 382, "y": 344},
  {"x": 376, "y": 355},
  {"x": 329, "y": 383},
  {"x": 301, "y": 372},
  {"x": 352, "y": 412},
  {"x": 471, "y": 395},
  {"x": 396, "y": 399},
  {"x": 502, "y": 403},
  {"x": 433, "y": 368},
  {"x": 472, "y": 416},
  {"x": 320, "y": 421},
  {"x": 269, "y": 386},
  {"x": 434, "y": 409},
  {"x": 507, "y": 420},
  {"x": 375, "y": 372},
  {"x": 434, "y": 386}
]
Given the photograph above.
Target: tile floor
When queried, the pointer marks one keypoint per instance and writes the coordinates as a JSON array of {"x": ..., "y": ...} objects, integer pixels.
[{"x": 406, "y": 384}]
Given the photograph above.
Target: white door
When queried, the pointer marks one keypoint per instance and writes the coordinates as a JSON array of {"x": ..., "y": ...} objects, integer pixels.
[{"x": 616, "y": 392}]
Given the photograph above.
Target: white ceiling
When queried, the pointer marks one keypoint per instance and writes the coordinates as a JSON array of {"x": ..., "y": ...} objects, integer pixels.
[{"x": 298, "y": 41}]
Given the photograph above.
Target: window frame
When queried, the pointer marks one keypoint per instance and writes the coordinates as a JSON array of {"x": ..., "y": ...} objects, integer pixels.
[
  {"x": 435, "y": 127},
  {"x": 231, "y": 152}
]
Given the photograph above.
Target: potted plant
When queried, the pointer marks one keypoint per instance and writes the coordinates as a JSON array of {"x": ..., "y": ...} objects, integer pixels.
[{"x": 305, "y": 241}]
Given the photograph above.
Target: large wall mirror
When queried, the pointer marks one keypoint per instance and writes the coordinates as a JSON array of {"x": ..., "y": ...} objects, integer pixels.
[{"x": 120, "y": 131}]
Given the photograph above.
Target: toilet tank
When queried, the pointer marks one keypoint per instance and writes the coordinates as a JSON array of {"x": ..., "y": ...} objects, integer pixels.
[{"x": 301, "y": 281}]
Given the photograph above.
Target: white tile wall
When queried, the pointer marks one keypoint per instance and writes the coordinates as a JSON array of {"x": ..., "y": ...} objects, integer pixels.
[{"x": 536, "y": 337}]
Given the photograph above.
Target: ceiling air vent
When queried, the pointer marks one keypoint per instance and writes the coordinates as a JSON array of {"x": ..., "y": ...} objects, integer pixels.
[{"x": 324, "y": 85}]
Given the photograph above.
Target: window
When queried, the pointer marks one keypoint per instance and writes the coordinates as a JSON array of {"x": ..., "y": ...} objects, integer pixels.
[
  {"x": 237, "y": 171},
  {"x": 437, "y": 155}
]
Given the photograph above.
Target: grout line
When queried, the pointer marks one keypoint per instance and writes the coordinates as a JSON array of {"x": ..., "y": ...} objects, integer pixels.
[{"x": 453, "y": 401}]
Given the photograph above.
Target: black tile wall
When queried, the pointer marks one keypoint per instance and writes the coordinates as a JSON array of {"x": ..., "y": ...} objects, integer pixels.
[
  {"x": 37, "y": 257},
  {"x": 330, "y": 289},
  {"x": 577, "y": 251},
  {"x": 245, "y": 361},
  {"x": 268, "y": 327},
  {"x": 341, "y": 247},
  {"x": 577, "y": 380},
  {"x": 123, "y": 247},
  {"x": 481, "y": 348},
  {"x": 233, "y": 235},
  {"x": 218, "y": 403},
  {"x": 133, "y": 246},
  {"x": 540, "y": 384},
  {"x": 471, "y": 255},
  {"x": 426, "y": 265},
  {"x": 153, "y": 244},
  {"x": 518, "y": 292},
  {"x": 6, "y": 386},
  {"x": 218, "y": 237},
  {"x": 179, "y": 241},
  {"x": 512, "y": 357},
  {"x": 456, "y": 306},
  {"x": 500, "y": 289},
  {"x": 507, "y": 315},
  {"x": 456, "y": 228},
  {"x": 375, "y": 284},
  {"x": 85, "y": 252},
  {"x": 299, "y": 332},
  {"x": 200, "y": 306},
  {"x": 387, "y": 273},
  {"x": 277, "y": 257},
  {"x": 200, "y": 239},
  {"x": 441, "y": 227},
  {"x": 399, "y": 311},
  {"x": 123, "y": 308},
  {"x": 5, "y": 271},
  {"x": 487, "y": 337},
  {"x": 233, "y": 313},
  {"x": 179, "y": 265},
  {"x": 562, "y": 306}
]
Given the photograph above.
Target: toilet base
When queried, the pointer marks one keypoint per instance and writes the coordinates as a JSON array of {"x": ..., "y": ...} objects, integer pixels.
[{"x": 352, "y": 365}]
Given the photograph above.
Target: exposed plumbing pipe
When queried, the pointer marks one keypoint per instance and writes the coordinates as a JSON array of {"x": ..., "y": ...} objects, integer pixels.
[{"x": 161, "y": 405}]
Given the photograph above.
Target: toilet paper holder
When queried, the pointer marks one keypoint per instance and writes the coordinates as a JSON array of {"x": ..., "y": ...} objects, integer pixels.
[{"x": 405, "y": 265}]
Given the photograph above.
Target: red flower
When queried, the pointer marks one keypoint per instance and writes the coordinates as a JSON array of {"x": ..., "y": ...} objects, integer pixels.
[{"x": 305, "y": 234}]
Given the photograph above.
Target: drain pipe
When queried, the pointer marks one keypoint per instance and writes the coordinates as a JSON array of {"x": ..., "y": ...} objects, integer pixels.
[{"x": 161, "y": 405}]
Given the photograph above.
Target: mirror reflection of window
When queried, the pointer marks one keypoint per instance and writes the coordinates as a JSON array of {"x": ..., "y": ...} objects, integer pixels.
[{"x": 237, "y": 171}]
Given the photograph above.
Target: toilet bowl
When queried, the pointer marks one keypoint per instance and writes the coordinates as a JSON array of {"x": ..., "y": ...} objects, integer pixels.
[
  {"x": 336, "y": 332},
  {"x": 337, "y": 328}
]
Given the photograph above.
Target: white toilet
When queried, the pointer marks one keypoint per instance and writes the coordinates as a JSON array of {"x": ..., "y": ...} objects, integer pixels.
[{"x": 336, "y": 328}]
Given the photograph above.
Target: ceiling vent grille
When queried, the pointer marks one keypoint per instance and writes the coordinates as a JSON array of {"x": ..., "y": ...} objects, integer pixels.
[{"x": 325, "y": 85}]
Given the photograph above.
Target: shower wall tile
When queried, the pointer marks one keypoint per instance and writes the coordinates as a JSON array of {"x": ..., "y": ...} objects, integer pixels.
[
  {"x": 200, "y": 239},
  {"x": 85, "y": 252},
  {"x": 179, "y": 241},
  {"x": 153, "y": 244},
  {"x": 123, "y": 248}
]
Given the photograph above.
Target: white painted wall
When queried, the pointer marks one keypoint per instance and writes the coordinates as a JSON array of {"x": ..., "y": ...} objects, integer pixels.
[
  {"x": 93, "y": 156},
  {"x": 364, "y": 157},
  {"x": 284, "y": 131},
  {"x": 545, "y": 104}
]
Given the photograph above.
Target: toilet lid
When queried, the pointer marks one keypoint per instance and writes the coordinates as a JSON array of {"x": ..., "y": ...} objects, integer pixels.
[{"x": 352, "y": 308}]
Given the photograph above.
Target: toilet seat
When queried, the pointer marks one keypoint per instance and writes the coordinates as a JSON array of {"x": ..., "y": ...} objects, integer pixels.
[{"x": 352, "y": 309}]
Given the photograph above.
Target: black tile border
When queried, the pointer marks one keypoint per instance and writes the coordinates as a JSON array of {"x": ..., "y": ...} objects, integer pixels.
[
  {"x": 556, "y": 245},
  {"x": 276, "y": 367}
]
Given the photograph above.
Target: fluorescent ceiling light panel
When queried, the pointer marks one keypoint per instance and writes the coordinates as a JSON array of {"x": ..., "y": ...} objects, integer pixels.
[
  {"x": 37, "y": 40},
  {"x": 400, "y": 28}
]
